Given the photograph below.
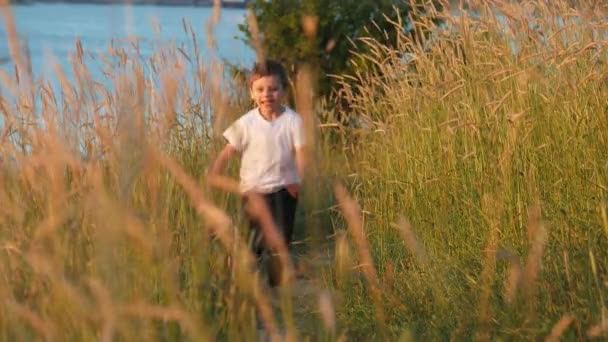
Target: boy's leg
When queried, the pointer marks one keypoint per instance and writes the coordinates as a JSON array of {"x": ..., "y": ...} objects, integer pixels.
[{"x": 283, "y": 208}]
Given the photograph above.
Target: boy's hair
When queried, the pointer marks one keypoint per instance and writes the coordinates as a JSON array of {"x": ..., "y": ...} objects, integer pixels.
[{"x": 269, "y": 68}]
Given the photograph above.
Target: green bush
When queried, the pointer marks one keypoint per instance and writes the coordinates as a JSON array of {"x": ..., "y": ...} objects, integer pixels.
[{"x": 340, "y": 24}]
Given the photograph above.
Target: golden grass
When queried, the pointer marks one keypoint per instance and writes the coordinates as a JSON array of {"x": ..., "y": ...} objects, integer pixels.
[{"x": 109, "y": 228}]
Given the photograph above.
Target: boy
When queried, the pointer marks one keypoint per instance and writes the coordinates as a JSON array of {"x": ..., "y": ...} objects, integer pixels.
[{"x": 270, "y": 140}]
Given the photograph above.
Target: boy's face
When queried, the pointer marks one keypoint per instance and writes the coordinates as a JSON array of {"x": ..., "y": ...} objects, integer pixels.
[{"x": 267, "y": 93}]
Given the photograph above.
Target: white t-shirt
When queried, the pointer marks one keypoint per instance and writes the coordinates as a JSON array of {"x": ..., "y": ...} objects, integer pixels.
[{"x": 267, "y": 149}]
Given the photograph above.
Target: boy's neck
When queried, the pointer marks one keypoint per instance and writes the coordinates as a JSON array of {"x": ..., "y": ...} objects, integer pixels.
[{"x": 273, "y": 114}]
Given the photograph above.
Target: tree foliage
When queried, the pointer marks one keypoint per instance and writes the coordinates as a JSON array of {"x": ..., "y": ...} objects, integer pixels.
[{"x": 339, "y": 25}]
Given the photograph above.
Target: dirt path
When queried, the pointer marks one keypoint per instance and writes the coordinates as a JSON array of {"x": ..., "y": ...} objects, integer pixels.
[{"x": 308, "y": 287}]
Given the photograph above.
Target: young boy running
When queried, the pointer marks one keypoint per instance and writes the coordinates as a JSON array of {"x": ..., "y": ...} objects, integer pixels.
[{"x": 270, "y": 140}]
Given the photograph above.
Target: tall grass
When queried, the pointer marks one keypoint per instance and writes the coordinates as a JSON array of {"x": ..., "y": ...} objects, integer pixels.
[
  {"x": 477, "y": 174},
  {"x": 492, "y": 117}
]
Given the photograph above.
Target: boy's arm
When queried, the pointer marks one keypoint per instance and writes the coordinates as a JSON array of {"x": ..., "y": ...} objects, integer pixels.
[{"x": 215, "y": 175}]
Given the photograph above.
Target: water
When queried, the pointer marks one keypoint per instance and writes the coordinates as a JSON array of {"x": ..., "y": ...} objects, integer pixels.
[{"x": 52, "y": 30}]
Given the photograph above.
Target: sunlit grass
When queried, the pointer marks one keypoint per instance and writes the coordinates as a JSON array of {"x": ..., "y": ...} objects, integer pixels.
[
  {"x": 474, "y": 206},
  {"x": 464, "y": 138}
]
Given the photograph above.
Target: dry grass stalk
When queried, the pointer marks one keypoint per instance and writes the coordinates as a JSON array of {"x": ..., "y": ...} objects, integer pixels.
[
  {"x": 326, "y": 308},
  {"x": 598, "y": 330},
  {"x": 342, "y": 256},
  {"x": 350, "y": 210},
  {"x": 218, "y": 97},
  {"x": 11, "y": 32},
  {"x": 43, "y": 327},
  {"x": 219, "y": 222},
  {"x": 310, "y": 25},
  {"x": 304, "y": 104},
  {"x": 407, "y": 234},
  {"x": 224, "y": 183},
  {"x": 212, "y": 23},
  {"x": 41, "y": 163},
  {"x": 258, "y": 210},
  {"x": 514, "y": 276},
  {"x": 143, "y": 310},
  {"x": 255, "y": 35},
  {"x": 352, "y": 213},
  {"x": 604, "y": 219},
  {"x": 559, "y": 328},
  {"x": 538, "y": 238},
  {"x": 489, "y": 268},
  {"x": 512, "y": 281},
  {"x": 221, "y": 226},
  {"x": 45, "y": 265},
  {"x": 169, "y": 97},
  {"x": 305, "y": 100},
  {"x": 217, "y": 93},
  {"x": 106, "y": 310}
]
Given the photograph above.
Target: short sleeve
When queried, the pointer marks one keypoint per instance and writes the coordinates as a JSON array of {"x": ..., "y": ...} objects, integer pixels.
[
  {"x": 298, "y": 132},
  {"x": 235, "y": 135}
]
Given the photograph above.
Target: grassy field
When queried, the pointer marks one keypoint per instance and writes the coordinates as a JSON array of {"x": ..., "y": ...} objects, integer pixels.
[{"x": 468, "y": 200}]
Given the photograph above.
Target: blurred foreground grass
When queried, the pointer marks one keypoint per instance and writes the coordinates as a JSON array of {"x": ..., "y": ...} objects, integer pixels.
[{"x": 477, "y": 164}]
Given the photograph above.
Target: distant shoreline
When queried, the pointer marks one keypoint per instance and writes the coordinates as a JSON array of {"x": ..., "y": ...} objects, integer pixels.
[{"x": 193, "y": 3}]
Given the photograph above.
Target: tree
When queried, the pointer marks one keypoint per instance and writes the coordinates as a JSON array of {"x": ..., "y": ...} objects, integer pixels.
[{"x": 339, "y": 24}]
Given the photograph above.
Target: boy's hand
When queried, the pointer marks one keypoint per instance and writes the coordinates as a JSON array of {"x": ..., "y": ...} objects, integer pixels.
[{"x": 293, "y": 189}]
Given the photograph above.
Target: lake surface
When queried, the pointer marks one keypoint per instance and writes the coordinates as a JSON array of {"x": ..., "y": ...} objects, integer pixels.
[{"x": 52, "y": 29}]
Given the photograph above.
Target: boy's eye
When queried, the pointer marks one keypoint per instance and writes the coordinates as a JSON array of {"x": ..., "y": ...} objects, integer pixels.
[{"x": 269, "y": 89}]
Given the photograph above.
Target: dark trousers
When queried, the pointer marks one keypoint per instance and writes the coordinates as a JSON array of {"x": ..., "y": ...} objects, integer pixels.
[{"x": 282, "y": 206}]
